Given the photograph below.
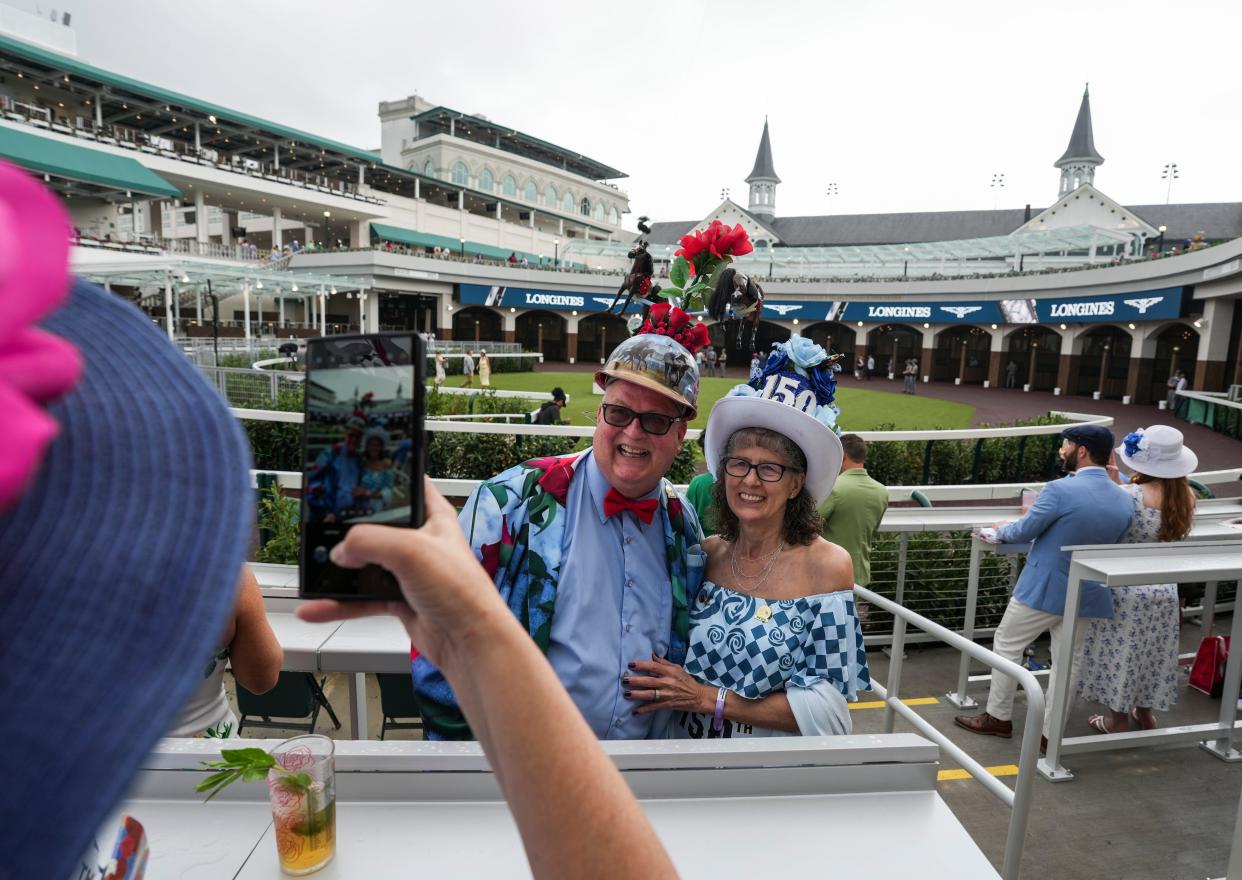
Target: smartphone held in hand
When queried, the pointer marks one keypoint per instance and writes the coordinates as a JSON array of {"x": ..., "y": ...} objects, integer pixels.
[{"x": 362, "y": 454}]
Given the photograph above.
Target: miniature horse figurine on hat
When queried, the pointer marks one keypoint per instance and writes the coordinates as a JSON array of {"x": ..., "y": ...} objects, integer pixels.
[{"x": 737, "y": 297}]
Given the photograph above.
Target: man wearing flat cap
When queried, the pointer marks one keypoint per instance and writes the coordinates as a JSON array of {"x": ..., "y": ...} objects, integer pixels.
[{"x": 1084, "y": 508}]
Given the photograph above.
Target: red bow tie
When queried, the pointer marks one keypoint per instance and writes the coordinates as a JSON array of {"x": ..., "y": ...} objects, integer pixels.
[{"x": 615, "y": 502}]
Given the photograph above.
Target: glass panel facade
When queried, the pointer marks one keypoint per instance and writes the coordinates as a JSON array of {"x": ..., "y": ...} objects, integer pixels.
[
  {"x": 532, "y": 192},
  {"x": 567, "y": 203},
  {"x": 461, "y": 174},
  {"x": 508, "y": 186},
  {"x": 613, "y": 217},
  {"x": 487, "y": 183},
  {"x": 549, "y": 196}
]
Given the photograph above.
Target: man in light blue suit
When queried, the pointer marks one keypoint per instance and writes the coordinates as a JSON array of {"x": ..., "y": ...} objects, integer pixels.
[{"x": 1084, "y": 508}]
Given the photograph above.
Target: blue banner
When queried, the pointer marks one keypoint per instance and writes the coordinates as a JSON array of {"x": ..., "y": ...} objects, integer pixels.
[
  {"x": 935, "y": 312},
  {"x": 531, "y": 298},
  {"x": 1143, "y": 306}
]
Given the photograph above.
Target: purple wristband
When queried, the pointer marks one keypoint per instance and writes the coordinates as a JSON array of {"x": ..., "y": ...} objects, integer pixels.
[{"x": 718, "y": 718}]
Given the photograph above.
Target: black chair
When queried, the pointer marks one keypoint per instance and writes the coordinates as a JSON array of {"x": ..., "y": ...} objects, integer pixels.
[
  {"x": 296, "y": 695},
  {"x": 397, "y": 701}
]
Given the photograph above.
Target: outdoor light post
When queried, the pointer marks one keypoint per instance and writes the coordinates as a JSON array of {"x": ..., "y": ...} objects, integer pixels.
[
  {"x": 905, "y": 265},
  {"x": 215, "y": 322},
  {"x": 1169, "y": 173},
  {"x": 556, "y": 253},
  {"x": 1160, "y": 241},
  {"x": 463, "y": 247}
]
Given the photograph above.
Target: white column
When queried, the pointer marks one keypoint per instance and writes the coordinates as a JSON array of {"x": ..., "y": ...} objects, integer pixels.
[
  {"x": 498, "y": 217},
  {"x": 198, "y": 307},
  {"x": 280, "y": 311},
  {"x": 360, "y": 233},
  {"x": 416, "y": 188},
  {"x": 276, "y": 242},
  {"x": 276, "y": 155},
  {"x": 309, "y": 232},
  {"x": 168, "y": 314},
  {"x": 362, "y": 312},
  {"x": 98, "y": 112},
  {"x": 322, "y": 305},
  {"x": 362, "y": 175},
  {"x": 200, "y": 216},
  {"x": 371, "y": 299},
  {"x": 246, "y": 308},
  {"x": 198, "y": 143},
  {"x": 461, "y": 200}
]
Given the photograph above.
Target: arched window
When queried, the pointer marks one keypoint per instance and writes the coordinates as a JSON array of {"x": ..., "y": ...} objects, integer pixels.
[
  {"x": 599, "y": 211},
  {"x": 461, "y": 174},
  {"x": 531, "y": 194},
  {"x": 487, "y": 183},
  {"x": 567, "y": 203},
  {"x": 613, "y": 217},
  {"x": 585, "y": 208},
  {"x": 549, "y": 196},
  {"x": 429, "y": 170},
  {"x": 508, "y": 186}
]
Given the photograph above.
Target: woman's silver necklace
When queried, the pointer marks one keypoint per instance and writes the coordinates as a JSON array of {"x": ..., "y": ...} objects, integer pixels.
[{"x": 762, "y": 577}]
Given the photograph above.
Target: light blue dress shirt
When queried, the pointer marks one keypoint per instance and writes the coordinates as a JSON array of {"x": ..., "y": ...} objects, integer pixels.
[{"x": 613, "y": 606}]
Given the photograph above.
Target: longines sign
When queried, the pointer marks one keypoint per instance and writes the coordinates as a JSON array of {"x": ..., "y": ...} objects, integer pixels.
[
  {"x": 1143, "y": 306},
  {"x": 530, "y": 298}
]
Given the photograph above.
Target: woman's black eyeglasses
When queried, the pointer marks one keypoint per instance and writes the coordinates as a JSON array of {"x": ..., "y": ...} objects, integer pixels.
[
  {"x": 768, "y": 472},
  {"x": 652, "y": 422}
]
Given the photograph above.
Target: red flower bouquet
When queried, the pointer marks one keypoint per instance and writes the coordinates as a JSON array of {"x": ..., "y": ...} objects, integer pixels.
[{"x": 703, "y": 255}]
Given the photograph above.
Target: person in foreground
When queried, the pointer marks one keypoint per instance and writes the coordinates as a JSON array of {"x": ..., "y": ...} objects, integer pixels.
[
  {"x": 1084, "y": 508},
  {"x": 776, "y": 647},
  {"x": 1129, "y": 663},
  {"x": 594, "y": 551},
  {"x": 547, "y": 761},
  {"x": 125, "y": 511}
]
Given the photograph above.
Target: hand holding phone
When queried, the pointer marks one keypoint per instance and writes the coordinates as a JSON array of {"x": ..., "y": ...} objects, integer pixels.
[{"x": 362, "y": 454}]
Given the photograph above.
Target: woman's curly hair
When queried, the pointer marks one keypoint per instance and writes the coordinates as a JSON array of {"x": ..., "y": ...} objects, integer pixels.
[{"x": 802, "y": 524}]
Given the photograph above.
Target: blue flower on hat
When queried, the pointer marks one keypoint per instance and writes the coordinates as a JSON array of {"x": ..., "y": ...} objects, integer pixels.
[
  {"x": 808, "y": 364},
  {"x": 1132, "y": 442},
  {"x": 804, "y": 352}
]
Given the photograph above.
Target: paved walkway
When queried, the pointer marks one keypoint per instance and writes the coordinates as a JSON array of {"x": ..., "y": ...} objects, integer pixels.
[{"x": 1000, "y": 405}]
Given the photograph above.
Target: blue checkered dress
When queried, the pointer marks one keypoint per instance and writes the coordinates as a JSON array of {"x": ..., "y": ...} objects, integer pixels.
[{"x": 734, "y": 643}]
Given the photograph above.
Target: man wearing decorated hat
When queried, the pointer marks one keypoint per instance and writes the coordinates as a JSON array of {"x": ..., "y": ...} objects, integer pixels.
[{"x": 594, "y": 552}]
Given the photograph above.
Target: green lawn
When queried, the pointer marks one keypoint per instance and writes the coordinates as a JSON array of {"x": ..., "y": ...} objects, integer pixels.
[{"x": 860, "y": 410}]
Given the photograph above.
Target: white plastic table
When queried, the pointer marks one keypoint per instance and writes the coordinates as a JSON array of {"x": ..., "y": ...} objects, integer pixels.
[
  {"x": 1116, "y": 566},
  {"x": 434, "y": 810}
]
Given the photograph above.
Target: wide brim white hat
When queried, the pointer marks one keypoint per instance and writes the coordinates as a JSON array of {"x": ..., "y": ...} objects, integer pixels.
[
  {"x": 1161, "y": 452},
  {"x": 817, "y": 441}
]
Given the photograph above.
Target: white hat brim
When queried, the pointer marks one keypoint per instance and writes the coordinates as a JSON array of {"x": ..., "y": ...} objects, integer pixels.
[
  {"x": 1184, "y": 465},
  {"x": 817, "y": 441}
]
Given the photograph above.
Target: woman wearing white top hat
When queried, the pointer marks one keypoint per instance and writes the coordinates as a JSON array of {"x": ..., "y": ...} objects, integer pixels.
[
  {"x": 1129, "y": 663},
  {"x": 776, "y": 647}
]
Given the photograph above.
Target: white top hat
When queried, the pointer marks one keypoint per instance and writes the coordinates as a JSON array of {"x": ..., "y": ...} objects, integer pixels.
[{"x": 1157, "y": 451}]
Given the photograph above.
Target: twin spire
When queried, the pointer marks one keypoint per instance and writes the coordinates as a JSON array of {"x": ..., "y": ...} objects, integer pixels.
[{"x": 1077, "y": 164}]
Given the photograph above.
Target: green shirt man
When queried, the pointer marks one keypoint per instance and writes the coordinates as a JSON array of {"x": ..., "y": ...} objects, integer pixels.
[{"x": 853, "y": 511}]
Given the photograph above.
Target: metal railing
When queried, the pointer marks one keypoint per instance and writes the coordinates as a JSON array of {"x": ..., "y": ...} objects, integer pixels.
[
  {"x": 243, "y": 386},
  {"x": 1019, "y": 798}
]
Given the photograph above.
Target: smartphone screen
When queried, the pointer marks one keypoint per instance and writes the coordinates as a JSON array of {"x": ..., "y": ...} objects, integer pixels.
[{"x": 362, "y": 454}]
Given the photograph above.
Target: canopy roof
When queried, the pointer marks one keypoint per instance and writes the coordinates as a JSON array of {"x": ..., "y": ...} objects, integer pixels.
[
  {"x": 399, "y": 235},
  {"x": 1040, "y": 241},
  {"x": 484, "y": 131},
  {"x": 193, "y": 276},
  {"x": 91, "y": 170}
]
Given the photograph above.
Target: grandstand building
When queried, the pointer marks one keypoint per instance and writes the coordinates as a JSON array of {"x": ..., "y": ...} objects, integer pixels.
[{"x": 217, "y": 221}]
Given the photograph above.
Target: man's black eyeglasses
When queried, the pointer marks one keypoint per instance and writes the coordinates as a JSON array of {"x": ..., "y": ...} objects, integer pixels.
[
  {"x": 769, "y": 472},
  {"x": 652, "y": 422}
]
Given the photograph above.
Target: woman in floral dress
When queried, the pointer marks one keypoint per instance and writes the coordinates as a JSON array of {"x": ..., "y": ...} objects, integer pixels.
[{"x": 1129, "y": 663}]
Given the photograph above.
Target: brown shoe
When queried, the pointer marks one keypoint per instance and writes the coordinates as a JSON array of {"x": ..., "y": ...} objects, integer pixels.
[
  {"x": 985, "y": 724},
  {"x": 1043, "y": 745}
]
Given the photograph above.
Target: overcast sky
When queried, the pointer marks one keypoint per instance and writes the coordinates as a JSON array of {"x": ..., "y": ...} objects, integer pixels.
[{"x": 905, "y": 105}]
